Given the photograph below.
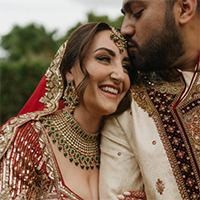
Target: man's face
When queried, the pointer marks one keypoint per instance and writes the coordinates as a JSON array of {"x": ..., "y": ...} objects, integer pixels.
[{"x": 153, "y": 39}]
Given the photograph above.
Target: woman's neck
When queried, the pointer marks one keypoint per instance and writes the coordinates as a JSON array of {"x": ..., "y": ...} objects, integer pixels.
[{"x": 88, "y": 121}]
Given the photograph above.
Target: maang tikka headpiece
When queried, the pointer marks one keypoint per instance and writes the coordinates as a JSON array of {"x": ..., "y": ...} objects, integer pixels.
[{"x": 119, "y": 40}]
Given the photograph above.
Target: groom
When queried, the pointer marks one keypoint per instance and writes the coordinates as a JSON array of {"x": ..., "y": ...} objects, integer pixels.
[{"x": 155, "y": 145}]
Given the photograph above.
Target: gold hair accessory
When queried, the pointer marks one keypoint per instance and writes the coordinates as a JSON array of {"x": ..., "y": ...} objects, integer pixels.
[
  {"x": 70, "y": 96},
  {"x": 79, "y": 146},
  {"x": 118, "y": 39}
]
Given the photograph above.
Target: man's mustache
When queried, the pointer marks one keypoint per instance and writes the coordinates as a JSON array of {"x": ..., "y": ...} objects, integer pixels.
[{"x": 132, "y": 43}]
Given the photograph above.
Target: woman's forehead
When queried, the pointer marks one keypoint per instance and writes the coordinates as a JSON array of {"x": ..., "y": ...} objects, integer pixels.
[{"x": 109, "y": 39}]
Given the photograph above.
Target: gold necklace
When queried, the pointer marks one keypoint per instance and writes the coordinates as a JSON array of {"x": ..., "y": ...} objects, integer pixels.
[{"x": 80, "y": 147}]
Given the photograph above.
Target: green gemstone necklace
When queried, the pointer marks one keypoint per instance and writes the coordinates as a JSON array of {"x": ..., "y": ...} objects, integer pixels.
[{"x": 80, "y": 147}]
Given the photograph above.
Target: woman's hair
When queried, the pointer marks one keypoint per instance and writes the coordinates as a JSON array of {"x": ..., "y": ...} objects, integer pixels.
[{"x": 77, "y": 48}]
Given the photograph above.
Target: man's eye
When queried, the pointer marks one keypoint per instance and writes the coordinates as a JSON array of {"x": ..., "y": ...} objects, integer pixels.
[
  {"x": 103, "y": 58},
  {"x": 122, "y": 11},
  {"x": 138, "y": 14}
]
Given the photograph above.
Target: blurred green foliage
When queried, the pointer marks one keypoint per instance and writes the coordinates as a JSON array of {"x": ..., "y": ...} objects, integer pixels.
[{"x": 30, "y": 51}]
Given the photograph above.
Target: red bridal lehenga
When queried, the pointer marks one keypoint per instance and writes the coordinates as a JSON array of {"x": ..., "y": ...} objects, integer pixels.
[{"x": 28, "y": 167}]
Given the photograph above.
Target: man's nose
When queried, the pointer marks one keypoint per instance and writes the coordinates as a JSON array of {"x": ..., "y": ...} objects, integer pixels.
[{"x": 127, "y": 29}]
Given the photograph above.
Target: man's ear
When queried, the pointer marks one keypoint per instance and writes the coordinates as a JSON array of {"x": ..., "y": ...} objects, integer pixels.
[{"x": 188, "y": 10}]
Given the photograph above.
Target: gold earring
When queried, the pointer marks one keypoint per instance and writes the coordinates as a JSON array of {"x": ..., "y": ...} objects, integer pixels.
[{"x": 70, "y": 96}]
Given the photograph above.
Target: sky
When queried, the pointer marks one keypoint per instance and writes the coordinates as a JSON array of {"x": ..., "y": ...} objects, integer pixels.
[{"x": 58, "y": 15}]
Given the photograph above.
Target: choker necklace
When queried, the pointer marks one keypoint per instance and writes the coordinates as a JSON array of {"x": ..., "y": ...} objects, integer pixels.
[{"x": 77, "y": 145}]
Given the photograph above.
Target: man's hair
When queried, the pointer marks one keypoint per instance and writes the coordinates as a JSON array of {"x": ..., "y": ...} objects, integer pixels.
[{"x": 171, "y": 3}]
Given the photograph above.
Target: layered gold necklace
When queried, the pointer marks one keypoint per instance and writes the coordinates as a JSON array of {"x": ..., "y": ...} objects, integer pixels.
[{"x": 77, "y": 145}]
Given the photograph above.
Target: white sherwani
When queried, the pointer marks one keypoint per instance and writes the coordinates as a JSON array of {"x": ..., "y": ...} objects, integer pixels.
[{"x": 155, "y": 145}]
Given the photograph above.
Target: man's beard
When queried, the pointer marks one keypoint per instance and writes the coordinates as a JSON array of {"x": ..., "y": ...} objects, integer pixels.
[{"x": 161, "y": 50}]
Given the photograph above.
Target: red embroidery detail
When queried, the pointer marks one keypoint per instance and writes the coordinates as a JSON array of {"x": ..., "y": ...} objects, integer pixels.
[
  {"x": 119, "y": 153},
  {"x": 154, "y": 142},
  {"x": 160, "y": 186}
]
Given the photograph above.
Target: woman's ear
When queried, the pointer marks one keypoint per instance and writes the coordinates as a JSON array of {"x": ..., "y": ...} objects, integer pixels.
[
  {"x": 188, "y": 10},
  {"x": 69, "y": 76}
]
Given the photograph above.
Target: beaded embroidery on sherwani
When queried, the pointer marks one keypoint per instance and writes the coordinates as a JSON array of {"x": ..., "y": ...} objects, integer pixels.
[
  {"x": 189, "y": 112},
  {"x": 158, "y": 100}
]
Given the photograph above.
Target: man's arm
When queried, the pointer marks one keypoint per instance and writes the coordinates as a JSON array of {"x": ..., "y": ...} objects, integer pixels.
[{"x": 119, "y": 170}]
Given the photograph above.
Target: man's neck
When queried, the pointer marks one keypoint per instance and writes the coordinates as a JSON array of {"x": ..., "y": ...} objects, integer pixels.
[{"x": 187, "y": 62}]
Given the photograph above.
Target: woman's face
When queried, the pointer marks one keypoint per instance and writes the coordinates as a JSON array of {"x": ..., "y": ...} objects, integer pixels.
[{"x": 109, "y": 80}]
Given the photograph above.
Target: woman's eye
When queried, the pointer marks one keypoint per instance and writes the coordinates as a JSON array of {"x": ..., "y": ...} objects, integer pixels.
[
  {"x": 103, "y": 58},
  {"x": 138, "y": 14},
  {"x": 126, "y": 68}
]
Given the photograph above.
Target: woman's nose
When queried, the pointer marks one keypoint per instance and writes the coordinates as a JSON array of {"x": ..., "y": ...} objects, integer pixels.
[{"x": 118, "y": 74}]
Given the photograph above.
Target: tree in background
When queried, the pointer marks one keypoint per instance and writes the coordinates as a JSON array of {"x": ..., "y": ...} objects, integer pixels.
[
  {"x": 30, "y": 51},
  {"x": 28, "y": 42}
]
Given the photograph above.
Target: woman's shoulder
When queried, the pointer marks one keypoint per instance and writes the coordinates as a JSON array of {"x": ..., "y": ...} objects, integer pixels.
[{"x": 15, "y": 128}]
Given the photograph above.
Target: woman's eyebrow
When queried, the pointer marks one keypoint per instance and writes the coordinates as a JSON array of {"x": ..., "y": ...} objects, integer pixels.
[{"x": 111, "y": 52}]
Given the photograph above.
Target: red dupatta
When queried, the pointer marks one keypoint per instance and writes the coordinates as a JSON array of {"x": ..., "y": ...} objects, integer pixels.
[{"x": 45, "y": 100}]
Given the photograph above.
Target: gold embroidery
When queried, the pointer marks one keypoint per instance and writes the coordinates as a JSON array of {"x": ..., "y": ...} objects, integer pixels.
[
  {"x": 50, "y": 100},
  {"x": 55, "y": 188},
  {"x": 158, "y": 100},
  {"x": 189, "y": 112}
]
